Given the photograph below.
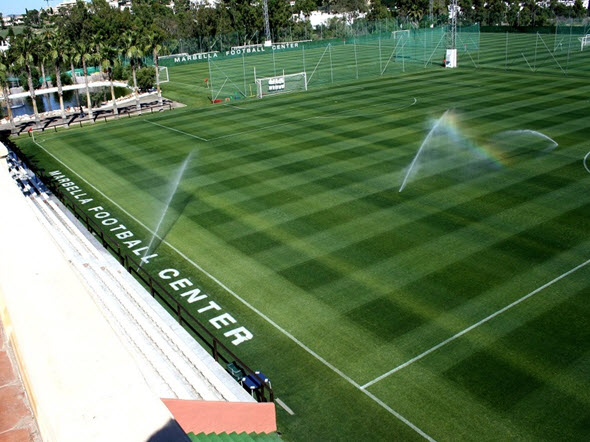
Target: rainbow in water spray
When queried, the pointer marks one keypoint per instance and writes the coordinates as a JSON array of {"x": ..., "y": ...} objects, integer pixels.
[{"x": 498, "y": 151}]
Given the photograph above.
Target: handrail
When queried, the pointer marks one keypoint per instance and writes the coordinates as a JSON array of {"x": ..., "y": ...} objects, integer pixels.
[
  {"x": 125, "y": 111},
  {"x": 188, "y": 321}
]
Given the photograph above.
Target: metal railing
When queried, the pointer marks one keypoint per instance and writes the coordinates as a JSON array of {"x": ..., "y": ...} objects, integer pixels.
[
  {"x": 56, "y": 122},
  {"x": 220, "y": 352}
]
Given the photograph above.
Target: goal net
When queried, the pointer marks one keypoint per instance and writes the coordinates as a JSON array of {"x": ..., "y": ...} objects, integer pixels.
[{"x": 281, "y": 84}]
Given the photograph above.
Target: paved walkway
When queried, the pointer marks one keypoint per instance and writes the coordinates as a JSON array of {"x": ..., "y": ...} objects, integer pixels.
[{"x": 17, "y": 423}]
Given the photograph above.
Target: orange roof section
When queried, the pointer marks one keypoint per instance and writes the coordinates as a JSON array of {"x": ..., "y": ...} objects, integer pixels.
[{"x": 223, "y": 417}]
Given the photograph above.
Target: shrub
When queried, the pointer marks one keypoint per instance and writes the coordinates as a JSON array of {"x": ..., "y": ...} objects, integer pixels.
[
  {"x": 65, "y": 79},
  {"x": 146, "y": 78}
]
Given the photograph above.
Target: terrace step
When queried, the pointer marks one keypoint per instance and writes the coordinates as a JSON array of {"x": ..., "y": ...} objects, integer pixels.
[{"x": 174, "y": 365}]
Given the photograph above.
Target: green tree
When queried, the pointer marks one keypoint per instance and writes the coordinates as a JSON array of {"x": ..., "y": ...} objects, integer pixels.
[
  {"x": 496, "y": 12},
  {"x": 70, "y": 54},
  {"x": 153, "y": 44},
  {"x": 57, "y": 56},
  {"x": 109, "y": 59},
  {"x": 513, "y": 13},
  {"x": 378, "y": 11},
  {"x": 133, "y": 50},
  {"x": 146, "y": 77},
  {"x": 24, "y": 55},
  {"x": 85, "y": 52},
  {"x": 279, "y": 16},
  {"x": 306, "y": 7},
  {"x": 578, "y": 8},
  {"x": 32, "y": 18},
  {"x": 42, "y": 55},
  {"x": 5, "y": 69}
]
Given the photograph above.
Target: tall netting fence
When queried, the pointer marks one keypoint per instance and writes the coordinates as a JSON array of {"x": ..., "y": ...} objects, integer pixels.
[
  {"x": 556, "y": 49},
  {"x": 381, "y": 51},
  {"x": 232, "y": 63}
]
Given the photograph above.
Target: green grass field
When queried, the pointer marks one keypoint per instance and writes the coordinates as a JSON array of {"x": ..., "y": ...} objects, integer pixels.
[{"x": 455, "y": 309}]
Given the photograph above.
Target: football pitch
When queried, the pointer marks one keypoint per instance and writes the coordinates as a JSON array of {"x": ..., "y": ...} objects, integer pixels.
[{"x": 410, "y": 253}]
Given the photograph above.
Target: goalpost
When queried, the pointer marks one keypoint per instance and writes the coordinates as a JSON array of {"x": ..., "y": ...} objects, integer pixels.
[
  {"x": 281, "y": 84},
  {"x": 584, "y": 41},
  {"x": 396, "y": 35},
  {"x": 164, "y": 78}
]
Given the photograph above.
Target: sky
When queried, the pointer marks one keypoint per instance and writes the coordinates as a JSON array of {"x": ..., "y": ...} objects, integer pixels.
[{"x": 9, "y": 7}]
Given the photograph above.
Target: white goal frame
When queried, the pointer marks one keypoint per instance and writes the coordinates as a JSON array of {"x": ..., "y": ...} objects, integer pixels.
[
  {"x": 584, "y": 41},
  {"x": 164, "y": 78},
  {"x": 400, "y": 34},
  {"x": 280, "y": 84}
]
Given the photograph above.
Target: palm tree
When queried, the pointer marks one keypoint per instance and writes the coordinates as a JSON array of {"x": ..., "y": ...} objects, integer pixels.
[
  {"x": 42, "y": 54},
  {"x": 5, "y": 68},
  {"x": 134, "y": 52},
  {"x": 56, "y": 54},
  {"x": 24, "y": 48},
  {"x": 85, "y": 54},
  {"x": 153, "y": 43},
  {"x": 109, "y": 56},
  {"x": 69, "y": 53}
]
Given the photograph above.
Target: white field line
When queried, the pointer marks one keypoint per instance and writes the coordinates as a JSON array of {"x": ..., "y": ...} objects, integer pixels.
[
  {"x": 285, "y": 407},
  {"x": 477, "y": 324},
  {"x": 357, "y": 113},
  {"x": 258, "y": 129},
  {"x": 176, "y": 130},
  {"x": 250, "y": 306},
  {"x": 185, "y": 84},
  {"x": 585, "y": 164},
  {"x": 237, "y": 107}
]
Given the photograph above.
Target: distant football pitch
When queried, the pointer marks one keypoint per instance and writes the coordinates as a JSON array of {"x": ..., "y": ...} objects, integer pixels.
[{"x": 410, "y": 253}]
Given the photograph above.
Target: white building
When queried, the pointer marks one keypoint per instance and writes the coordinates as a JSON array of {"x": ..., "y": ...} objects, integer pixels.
[{"x": 318, "y": 18}]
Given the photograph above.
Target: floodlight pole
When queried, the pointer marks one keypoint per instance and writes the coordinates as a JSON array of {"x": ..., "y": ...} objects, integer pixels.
[
  {"x": 451, "y": 55},
  {"x": 268, "y": 41},
  {"x": 454, "y": 12}
]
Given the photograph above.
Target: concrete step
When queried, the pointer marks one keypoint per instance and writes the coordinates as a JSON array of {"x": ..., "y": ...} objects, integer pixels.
[{"x": 174, "y": 365}]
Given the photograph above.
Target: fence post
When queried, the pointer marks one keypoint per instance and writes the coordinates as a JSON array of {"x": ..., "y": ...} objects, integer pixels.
[
  {"x": 569, "y": 45},
  {"x": 356, "y": 63},
  {"x": 331, "y": 67},
  {"x": 536, "y": 44},
  {"x": 380, "y": 62}
]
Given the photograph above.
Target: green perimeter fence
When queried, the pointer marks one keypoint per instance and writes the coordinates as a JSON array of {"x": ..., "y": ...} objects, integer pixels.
[{"x": 232, "y": 73}]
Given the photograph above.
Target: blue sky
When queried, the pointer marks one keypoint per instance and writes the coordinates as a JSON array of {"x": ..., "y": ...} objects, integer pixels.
[{"x": 8, "y": 7}]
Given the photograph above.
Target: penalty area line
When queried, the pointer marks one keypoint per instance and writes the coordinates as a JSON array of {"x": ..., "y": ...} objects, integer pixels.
[
  {"x": 477, "y": 324},
  {"x": 250, "y": 306},
  {"x": 176, "y": 130}
]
